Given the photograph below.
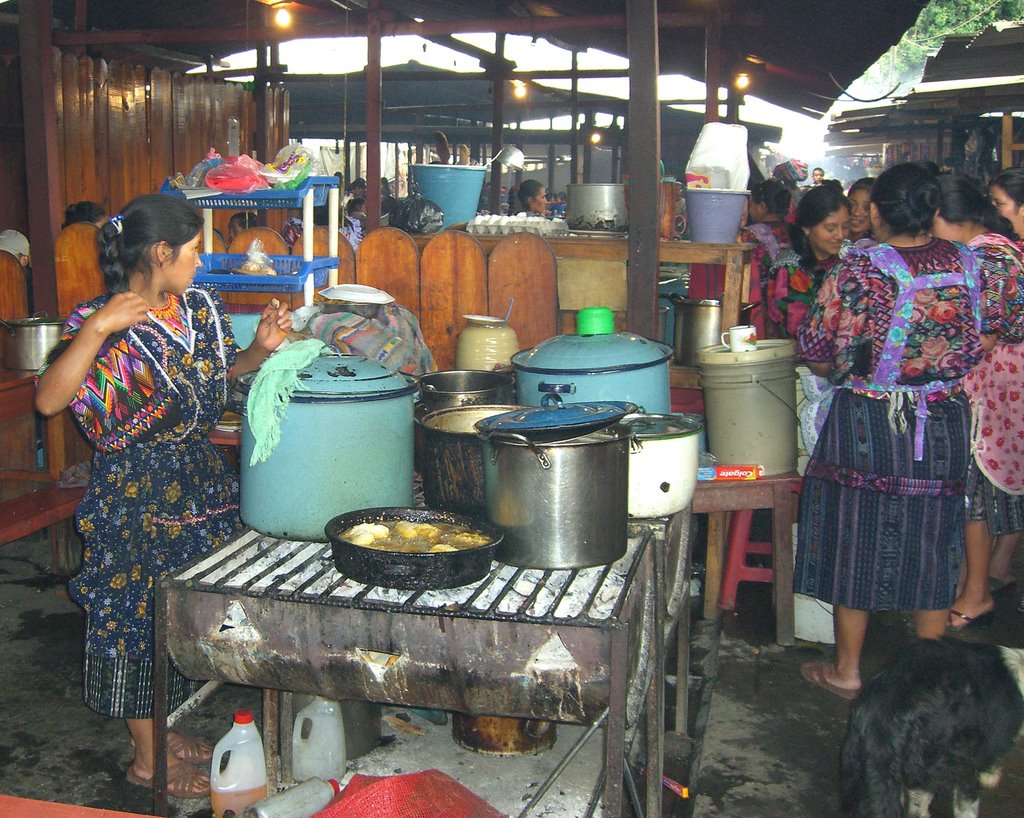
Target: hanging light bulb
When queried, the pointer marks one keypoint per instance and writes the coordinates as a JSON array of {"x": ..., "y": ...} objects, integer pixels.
[
  {"x": 282, "y": 17},
  {"x": 519, "y": 89},
  {"x": 742, "y": 81}
]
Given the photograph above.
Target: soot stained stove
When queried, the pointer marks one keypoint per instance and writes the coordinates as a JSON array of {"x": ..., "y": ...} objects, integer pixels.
[{"x": 562, "y": 645}]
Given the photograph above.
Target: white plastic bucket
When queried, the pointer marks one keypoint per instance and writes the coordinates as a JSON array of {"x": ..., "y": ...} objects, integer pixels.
[
  {"x": 750, "y": 404},
  {"x": 714, "y": 214}
]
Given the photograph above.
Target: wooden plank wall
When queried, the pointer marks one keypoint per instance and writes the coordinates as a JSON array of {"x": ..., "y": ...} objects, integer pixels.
[{"x": 123, "y": 129}]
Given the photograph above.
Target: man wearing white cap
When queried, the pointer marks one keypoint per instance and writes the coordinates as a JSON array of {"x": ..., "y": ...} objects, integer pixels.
[{"x": 16, "y": 244}]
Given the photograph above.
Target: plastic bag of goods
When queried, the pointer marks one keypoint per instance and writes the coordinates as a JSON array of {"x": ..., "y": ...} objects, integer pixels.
[
  {"x": 719, "y": 159},
  {"x": 290, "y": 167}
]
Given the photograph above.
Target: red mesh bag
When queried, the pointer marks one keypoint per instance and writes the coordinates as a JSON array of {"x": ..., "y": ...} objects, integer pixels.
[{"x": 416, "y": 795}]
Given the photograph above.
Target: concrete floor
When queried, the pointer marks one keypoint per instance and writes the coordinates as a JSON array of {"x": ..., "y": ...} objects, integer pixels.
[{"x": 762, "y": 743}]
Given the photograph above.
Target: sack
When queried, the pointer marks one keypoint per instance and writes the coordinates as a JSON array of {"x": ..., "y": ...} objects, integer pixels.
[
  {"x": 719, "y": 159},
  {"x": 428, "y": 794},
  {"x": 417, "y": 215}
]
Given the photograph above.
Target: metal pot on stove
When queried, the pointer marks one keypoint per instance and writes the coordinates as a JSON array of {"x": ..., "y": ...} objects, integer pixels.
[
  {"x": 346, "y": 443},
  {"x": 541, "y": 486}
]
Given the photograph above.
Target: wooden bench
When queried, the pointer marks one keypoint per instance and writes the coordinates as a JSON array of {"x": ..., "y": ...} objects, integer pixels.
[{"x": 24, "y": 515}]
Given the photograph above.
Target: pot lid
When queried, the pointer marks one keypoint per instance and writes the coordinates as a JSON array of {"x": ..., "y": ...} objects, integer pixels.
[
  {"x": 555, "y": 419},
  {"x": 660, "y": 427},
  {"x": 344, "y": 377},
  {"x": 773, "y": 349},
  {"x": 613, "y": 352}
]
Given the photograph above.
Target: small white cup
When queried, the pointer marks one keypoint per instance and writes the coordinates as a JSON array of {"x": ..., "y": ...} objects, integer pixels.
[{"x": 740, "y": 339}]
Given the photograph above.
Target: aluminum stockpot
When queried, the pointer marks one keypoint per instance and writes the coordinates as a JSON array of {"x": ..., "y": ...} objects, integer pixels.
[
  {"x": 561, "y": 504},
  {"x": 346, "y": 443},
  {"x": 663, "y": 463},
  {"x": 594, "y": 206},
  {"x": 27, "y": 341},
  {"x": 464, "y": 387},
  {"x": 698, "y": 323}
]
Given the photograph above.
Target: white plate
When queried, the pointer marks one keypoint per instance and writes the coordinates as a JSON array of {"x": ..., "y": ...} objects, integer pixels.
[{"x": 357, "y": 294}]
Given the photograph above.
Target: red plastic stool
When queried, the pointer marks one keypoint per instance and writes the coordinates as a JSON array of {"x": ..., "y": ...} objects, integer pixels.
[{"x": 736, "y": 568}]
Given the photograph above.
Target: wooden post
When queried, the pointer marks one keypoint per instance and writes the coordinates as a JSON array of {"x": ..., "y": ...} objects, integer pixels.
[
  {"x": 497, "y": 74},
  {"x": 373, "y": 102},
  {"x": 574, "y": 131},
  {"x": 645, "y": 177},
  {"x": 712, "y": 63},
  {"x": 42, "y": 158}
]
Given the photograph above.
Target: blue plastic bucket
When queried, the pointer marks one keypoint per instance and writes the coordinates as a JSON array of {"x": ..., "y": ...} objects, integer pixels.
[
  {"x": 714, "y": 214},
  {"x": 454, "y": 188}
]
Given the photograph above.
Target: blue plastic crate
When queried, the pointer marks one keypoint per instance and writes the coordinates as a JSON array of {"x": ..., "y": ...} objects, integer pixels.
[
  {"x": 291, "y": 273},
  {"x": 261, "y": 199}
]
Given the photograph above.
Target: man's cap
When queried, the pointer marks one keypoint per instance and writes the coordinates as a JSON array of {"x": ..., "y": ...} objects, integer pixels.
[{"x": 14, "y": 242}]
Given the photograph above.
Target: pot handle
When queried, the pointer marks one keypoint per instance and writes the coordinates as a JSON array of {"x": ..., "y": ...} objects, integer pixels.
[
  {"x": 513, "y": 437},
  {"x": 556, "y": 388},
  {"x": 10, "y": 329}
]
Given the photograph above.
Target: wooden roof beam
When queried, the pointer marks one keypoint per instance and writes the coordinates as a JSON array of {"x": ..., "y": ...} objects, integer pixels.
[{"x": 428, "y": 28}]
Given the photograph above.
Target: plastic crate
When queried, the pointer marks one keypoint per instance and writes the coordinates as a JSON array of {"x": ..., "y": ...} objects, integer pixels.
[
  {"x": 291, "y": 273},
  {"x": 261, "y": 199}
]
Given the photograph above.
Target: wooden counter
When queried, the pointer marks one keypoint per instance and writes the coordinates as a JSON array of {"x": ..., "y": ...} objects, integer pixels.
[{"x": 30, "y": 808}]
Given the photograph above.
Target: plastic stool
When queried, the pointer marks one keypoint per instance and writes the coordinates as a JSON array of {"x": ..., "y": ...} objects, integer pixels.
[{"x": 736, "y": 568}]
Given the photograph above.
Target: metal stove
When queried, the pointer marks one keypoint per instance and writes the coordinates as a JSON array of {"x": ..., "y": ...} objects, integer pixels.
[{"x": 563, "y": 645}]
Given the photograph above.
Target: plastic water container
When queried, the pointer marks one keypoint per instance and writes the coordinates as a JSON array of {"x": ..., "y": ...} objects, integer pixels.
[
  {"x": 301, "y": 801},
  {"x": 318, "y": 741},
  {"x": 454, "y": 188},
  {"x": 238, "y": 771}
]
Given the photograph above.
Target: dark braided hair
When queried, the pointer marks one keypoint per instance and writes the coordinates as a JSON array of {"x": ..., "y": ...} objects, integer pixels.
[
  {"x": 772, "y": 194},
  {"x": 126, "y": 240},
  {"x": 961, "y": 200},
  {"x": 907, "y": 196}
]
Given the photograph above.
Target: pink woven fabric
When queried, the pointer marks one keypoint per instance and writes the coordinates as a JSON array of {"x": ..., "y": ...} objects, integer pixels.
[{"x": 426, "y": 794}]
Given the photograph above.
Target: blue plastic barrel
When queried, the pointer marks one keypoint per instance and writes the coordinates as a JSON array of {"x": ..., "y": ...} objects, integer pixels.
[{"x": 454, "y": 188}]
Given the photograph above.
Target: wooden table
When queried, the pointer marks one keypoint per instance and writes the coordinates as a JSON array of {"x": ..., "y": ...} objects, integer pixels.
[
  {"x": 30, "y": 808},
  {"x": 781, "y": 494}
]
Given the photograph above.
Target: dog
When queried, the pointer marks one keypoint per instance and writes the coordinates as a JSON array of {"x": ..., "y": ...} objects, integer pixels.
[{"x": 940, "y": 717}]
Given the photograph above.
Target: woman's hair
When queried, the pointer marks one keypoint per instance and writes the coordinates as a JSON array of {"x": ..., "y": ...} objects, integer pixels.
[
  {"x": 527, "y": 190},
  {"x": 772, "y": 194},
  {"x": 961, "y": 200},
  {"x": 816, "y": 205},
  {"x": 1012, "y": 181},
  {"x": 355, "y": 204},
  {"x": 243, "y": 220},
  {"x": 907, "y": 197},
  {"x": 126, "y": 240},
  {"x": 84, "y": 211},
  {"x": 864, "y": 183}
]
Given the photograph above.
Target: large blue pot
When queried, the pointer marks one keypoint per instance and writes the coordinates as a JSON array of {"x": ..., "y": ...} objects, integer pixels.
[
  {"x": 346, "y": 443},
  {"x": 619, "y": 366}
]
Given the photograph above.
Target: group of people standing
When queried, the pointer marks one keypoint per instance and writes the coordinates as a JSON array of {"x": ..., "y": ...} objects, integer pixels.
[{"x": 913, "y": 498}]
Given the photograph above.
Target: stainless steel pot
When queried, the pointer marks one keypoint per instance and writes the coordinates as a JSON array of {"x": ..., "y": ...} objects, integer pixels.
[
  {"x": 464, "y": 387},
  {"x": 27, "y": 341},
  {"x": 596, "y": 207},
  {"x": 698, "y": 324},
  {"x": 561, "y": 504}
]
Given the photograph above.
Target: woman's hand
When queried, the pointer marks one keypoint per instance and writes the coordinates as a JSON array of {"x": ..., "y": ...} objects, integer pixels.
[
  {"x": 123, "y": 310},
  {"x": 274, "y": 326}
]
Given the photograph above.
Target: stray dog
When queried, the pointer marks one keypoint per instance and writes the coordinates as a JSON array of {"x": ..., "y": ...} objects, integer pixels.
[{"x": 941, "y": 716}]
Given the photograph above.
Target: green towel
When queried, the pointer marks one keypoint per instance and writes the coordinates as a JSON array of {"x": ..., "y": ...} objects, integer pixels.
[{"x": 271, "y": 392}]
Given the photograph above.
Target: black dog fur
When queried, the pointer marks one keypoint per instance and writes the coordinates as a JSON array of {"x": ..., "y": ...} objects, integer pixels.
[{"x": 941, "y": 715}]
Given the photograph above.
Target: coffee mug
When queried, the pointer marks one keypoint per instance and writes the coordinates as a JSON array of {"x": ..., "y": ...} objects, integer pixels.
[{"x": 740, "y": 339}]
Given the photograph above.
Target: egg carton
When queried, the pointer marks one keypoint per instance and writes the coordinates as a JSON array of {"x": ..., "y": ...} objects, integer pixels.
[{"x": 495, "y": 225}]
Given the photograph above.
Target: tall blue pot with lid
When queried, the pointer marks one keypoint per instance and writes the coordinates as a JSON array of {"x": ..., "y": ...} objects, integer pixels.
[
  {"x": 346, "y": 443},
  {"x": 597, "y": 364}
]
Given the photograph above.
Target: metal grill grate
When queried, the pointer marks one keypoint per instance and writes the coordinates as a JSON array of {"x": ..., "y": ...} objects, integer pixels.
[{"x": 258, "y": 565}]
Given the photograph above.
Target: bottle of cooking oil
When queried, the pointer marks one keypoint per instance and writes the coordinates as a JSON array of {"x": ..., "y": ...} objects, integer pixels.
[{"x": 238, "y": 772}]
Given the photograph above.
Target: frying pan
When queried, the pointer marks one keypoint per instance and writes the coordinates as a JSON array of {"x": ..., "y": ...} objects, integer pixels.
[{"x": 419, "y": 572}]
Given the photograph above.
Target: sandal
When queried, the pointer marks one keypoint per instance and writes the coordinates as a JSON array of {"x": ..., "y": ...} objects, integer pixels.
[
  {"x": 192, "y": 749},
  {"x": 183, "y": 781},
  {"x": 997, "y": 586},
  {"x": 984, "y": 618},
  {"x": 814, "y": 672}
]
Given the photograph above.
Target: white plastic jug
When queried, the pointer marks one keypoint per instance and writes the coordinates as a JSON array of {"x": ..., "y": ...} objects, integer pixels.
[
  {"x": 238, "y": 771},
  {"x": 318, "y": 741}
]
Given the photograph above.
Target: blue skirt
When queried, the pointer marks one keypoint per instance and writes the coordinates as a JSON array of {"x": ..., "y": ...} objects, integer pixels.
[{"x": 878, "y": 530}]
